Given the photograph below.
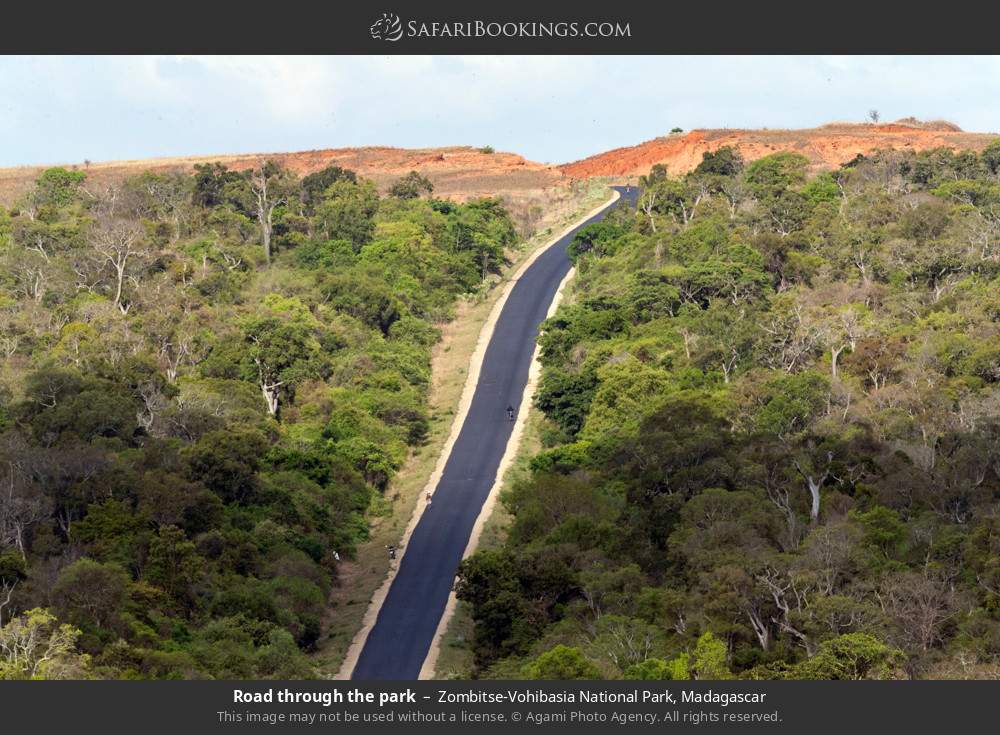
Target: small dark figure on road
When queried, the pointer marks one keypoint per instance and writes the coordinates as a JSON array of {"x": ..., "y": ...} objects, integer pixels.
[
  {"x": 392, "y": 551},
  {"x": 510, "y": 413}
]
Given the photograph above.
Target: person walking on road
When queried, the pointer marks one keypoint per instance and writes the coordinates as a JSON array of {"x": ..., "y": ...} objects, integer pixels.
[{"x": 510, "y": 413}]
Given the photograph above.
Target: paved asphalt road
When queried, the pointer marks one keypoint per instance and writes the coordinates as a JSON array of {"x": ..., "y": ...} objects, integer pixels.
[{"x": 398, "y": 643}]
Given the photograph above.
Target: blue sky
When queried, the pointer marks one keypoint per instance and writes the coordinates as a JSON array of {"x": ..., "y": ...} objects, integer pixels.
[{"x": 554, "y": 108}]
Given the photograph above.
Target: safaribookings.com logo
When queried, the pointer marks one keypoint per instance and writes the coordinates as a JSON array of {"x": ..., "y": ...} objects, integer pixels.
[
  {"x": 387, "y": 28},
  {"x": 390, "y": 28}
]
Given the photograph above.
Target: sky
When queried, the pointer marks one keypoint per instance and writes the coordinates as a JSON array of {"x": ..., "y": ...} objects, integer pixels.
[{"x": 548, "y": 108}]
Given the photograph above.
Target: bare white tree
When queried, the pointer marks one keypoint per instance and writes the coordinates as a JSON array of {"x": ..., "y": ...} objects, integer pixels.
[
  {"x": 815, "y": 482},
  {"x": 6, "y": 593},
  {"x": 22, "y": 505},
  {"x": 118, "y": 244},
  {"x": 735, "y": 193},
  {"x": 648, "y": 204},
  {"x": 267, "y": 196},
  {"x": 153, "y": 404}
]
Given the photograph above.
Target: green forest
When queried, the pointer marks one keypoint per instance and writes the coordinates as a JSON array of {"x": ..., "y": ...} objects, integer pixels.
[
  {"x": 208, "y": 381},
  {"x": 771, "y": 443}
]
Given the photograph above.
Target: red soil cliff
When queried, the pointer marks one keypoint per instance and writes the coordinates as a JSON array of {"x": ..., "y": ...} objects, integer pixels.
[{"x": 826, "y": 147}]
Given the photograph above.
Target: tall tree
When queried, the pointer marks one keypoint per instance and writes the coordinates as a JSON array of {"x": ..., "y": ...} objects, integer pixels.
[{"x": 270, "y": 186}]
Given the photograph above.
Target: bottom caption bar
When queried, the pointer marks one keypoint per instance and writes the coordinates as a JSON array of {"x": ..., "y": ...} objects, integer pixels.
[{"x": 466, "y": 706}]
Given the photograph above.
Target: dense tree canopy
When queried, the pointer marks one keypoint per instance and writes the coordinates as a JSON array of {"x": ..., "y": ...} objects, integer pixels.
[
  {"x": 771, "y": 447},
  {"x": 207, "y": 382}
]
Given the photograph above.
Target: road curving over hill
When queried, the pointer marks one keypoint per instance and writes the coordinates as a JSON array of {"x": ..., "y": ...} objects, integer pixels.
[{"x": 408, "y": 618}]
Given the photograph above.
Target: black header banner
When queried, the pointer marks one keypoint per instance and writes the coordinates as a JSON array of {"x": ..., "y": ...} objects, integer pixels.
[{"x": 511, "y": 27}]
